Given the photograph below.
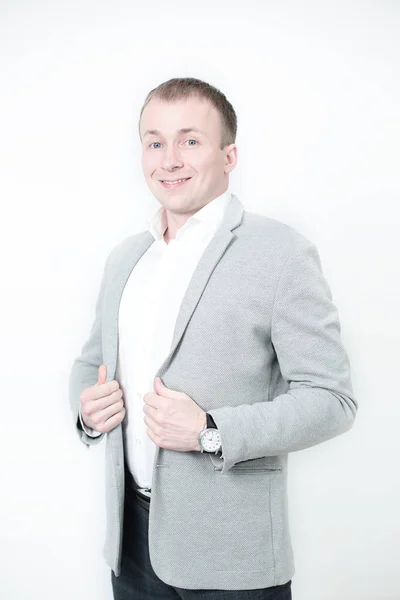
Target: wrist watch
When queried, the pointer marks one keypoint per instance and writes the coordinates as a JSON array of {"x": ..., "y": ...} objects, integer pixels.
[{"x": 210, "y": 437}]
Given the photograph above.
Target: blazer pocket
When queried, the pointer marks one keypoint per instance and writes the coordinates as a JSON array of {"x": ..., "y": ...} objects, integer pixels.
[
  {"x": 238, "y": 468},
  {"x": 255, "y": 465}
]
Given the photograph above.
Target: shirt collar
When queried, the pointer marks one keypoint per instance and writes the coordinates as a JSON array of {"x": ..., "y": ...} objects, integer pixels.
[{"x": 208, "y": 218}]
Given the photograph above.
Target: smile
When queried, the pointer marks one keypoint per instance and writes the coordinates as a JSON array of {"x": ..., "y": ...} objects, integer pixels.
[{"x": 174, "y": 184}]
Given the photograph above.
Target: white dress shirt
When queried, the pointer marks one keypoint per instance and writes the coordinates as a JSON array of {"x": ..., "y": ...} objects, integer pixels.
[{"x": 148, "y": 311}]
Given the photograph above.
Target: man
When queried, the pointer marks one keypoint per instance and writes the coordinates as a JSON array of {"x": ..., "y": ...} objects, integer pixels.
[{"x": 220, "y": 331}]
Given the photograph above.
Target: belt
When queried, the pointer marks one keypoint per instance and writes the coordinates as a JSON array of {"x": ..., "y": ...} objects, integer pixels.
[{"x": 143, "y": 499}]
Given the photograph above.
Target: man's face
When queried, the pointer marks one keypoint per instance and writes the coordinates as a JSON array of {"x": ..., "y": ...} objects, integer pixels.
[{"x": 172, "y": 155}]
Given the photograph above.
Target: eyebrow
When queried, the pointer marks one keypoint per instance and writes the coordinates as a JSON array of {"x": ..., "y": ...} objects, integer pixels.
[{"x": 182, "y": 130}]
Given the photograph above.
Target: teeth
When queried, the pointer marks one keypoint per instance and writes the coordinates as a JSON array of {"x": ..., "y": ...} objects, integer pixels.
[{"x": 178, "y": 181}]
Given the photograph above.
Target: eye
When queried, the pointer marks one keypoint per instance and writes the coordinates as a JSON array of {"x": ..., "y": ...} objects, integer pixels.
[
  {"x": 192, "y": 141},
  {"x": 153, "y": 143}
]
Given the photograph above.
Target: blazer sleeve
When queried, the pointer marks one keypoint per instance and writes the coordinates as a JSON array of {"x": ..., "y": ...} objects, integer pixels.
[
  {"x": 84, "y": 371},
  {"x": 305, "y": 334}
]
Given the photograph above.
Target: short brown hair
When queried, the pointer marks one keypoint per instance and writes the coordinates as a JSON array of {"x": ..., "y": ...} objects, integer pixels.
[{"x": 186, "y": 87}]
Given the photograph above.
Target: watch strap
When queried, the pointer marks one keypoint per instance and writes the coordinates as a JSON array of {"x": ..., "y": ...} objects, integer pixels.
[{"x": 210, "y": 422}]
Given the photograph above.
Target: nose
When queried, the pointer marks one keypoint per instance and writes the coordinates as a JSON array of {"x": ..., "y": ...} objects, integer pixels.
[{"x": 171, "y": 159}]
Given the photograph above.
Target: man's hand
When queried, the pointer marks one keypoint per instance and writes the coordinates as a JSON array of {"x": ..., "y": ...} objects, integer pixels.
[
  {"x": 173, "y": 419},
  {"x": 102, "y": 405}
]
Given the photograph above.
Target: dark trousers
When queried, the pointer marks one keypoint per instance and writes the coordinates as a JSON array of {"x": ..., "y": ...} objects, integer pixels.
[{"x": 138, "y": 581}]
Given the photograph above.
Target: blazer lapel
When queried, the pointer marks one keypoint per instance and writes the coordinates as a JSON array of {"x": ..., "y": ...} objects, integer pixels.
[{"x": 206, "y": 265}]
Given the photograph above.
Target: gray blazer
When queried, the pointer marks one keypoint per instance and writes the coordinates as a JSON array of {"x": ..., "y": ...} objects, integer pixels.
[{"x": 257, "y": 344}]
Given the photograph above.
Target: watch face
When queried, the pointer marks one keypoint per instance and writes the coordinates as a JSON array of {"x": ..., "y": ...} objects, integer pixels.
[{"x": 211, "y": 440}]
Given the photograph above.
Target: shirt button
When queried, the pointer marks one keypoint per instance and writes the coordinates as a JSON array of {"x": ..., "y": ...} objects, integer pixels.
[{"x": 138, "y": 441}]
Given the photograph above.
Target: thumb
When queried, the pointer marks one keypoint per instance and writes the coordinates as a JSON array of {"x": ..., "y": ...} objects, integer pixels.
[
  {"x": 162, "y": 390},
  {"x": 102, "y": 374}
]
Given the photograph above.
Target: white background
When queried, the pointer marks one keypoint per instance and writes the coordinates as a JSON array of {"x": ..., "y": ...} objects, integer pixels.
[{"x": 316, "y": 89}]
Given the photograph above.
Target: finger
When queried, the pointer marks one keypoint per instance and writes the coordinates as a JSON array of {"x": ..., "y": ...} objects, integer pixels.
[
  {"x": 151, "y": 399},
  {"x": 100, "y": 391},
  {"x": 150, "y": 411},
  {"x": 153, "y": 435},
  {"x": 153, "y": 425},
  {"x": 111, "y": 422},
  {"x": 92, "y": 407},
  {"x": 102, "y": 416},
  {"x": 102, "y": 374}
]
